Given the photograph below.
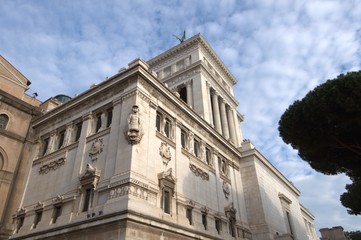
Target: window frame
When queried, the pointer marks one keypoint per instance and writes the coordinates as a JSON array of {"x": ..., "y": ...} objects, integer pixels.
[{"x": 4, "y": 122}]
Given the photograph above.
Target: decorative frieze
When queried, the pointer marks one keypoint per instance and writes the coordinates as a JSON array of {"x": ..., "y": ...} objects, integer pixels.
[
  {"x": 45, "y": 168},
  {"x": 199, "y": 172},
  {"x": 130, "y": 187}
]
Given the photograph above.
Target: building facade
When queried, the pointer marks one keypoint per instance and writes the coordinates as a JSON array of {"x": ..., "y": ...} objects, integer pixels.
[
  {"x": 156, "y": 152},
  {"x": 16, "y": 111}
]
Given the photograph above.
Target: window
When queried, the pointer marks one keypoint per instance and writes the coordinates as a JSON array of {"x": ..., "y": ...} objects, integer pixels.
[
  {"x": 61, "y": 139},
  {"x": 87, "y": 199},
  {"x": 37, "y": 218},
  {"x": 232, "y": 226},
  {"x": 183, "y": 93},
  {"x": 163, "y": 124},
  {"x": 208, "y": 156},
  {"x": 183, "y": 138},
  {"x": 56, "y": 213},
  {"x": 4, "y": 119},
  {"x": 109, "y": 117},
  {"x": 157, "y": 123},
  {"x": 167, "y": 127},
  {"x": 45, "y": 145},
  {"x": 218, "y": 224},
  {"x": 224, "y": 167},
  {"x": 288, "y": 215},
  {"x": 78, "y": 131},
  {"x": 166, "y": 202},
  {"x": 196, "y": 147},
  {"x": 98, "y": 123},
  {"x": 166, "y": 184},
  {"x": 204, "y": 220},
  {"x": 189, "y": 215}
]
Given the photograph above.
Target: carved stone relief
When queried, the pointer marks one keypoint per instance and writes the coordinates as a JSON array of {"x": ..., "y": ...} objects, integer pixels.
[
  {"x": 96, "y": 149},
  {"x": 226, "y": 190},
  {"x": 164, "y": 151},
  {"x": 58, "y": 199},
  {"x": 134, "y": 133},
  {"x": 131, "y": 187},
  {"x": 199, "y": 172},
  {"x": 45, "y": 168},
  {"x": 90, "y": 177},
  {"x": 39, "y": 205}
]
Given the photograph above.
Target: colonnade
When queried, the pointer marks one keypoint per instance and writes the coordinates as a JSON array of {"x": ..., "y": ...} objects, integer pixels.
[{"x": 222, "y": 115}]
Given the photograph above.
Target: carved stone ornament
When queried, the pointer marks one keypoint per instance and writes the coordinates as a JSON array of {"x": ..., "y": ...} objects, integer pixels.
[
  {"x": 164, "y": 151},
  {"x": 96, "y": 149},
  {"x": 190, "y": 204},
  {"x": 226, "y": 190},
  {"x": 45, "y": 168},
  {"x": 39, "y": 205},
  {"x": 135, "y": 132},
  {"x": 58, "y": 199},
  {"x": 199, "y": 172},
  {"x": 21, "y": 211},
  {"x": 230, "y": 211},
  {"x": 90, "y": 177},
  {"x": 204, "y": 210}
]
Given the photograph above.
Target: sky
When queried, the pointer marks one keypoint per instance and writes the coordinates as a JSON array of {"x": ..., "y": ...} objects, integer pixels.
[{"x": 277, "y": 50}]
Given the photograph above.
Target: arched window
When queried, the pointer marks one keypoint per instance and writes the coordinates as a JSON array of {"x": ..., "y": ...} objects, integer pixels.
[{"x": 4, "y": 119}]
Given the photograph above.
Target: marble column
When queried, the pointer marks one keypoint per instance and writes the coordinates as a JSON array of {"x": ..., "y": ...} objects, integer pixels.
[
  {"x": 209, "y": 104},
  {"x": 224, "y": 121},
  {"x": 231, "y": 124},
  {"x": 189, "y": 93},
  {"x": 217, "y": 117}
]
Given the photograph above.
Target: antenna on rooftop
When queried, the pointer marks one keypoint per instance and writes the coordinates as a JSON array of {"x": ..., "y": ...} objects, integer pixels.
[{"x": 181, "y": 39}]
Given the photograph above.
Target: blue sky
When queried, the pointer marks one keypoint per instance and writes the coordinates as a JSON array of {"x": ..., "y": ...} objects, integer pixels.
[{"x": 278, "y": 51}]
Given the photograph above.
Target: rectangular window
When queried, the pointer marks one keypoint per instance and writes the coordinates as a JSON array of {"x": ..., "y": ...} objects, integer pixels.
[
  {"x": 218, "y": 224},
  {"x": 45, "y": 145},
  {"x": 167, "y": 127},
  {"x": 37, "y": 218},
  {"x": 189, "y": 215},
  {"x": 56, "y": 213},
  {"x": 78, "y": 131},
  {"x": 183, "y": 138},
  {"x": 109, "y": 118},
  {"x": 99, "y": 123},
  {"x": 157, "y": 122},
  {"x": 87, "y": 199},
  {"x": 289, "y": 222},
  {"x": 166, "y": 201},
  {"x": 61, "y": 139},
  {"x": 204, "y": 220},
  {"x": 196, "y": 148},
  {"x": 208, "y": 156}
]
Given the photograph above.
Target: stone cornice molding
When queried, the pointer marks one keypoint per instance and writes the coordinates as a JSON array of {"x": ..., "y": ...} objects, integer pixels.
[{"x": 201, "y": 43}]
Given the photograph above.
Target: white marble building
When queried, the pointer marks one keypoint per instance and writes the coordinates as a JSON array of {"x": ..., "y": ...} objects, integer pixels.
[{"x": 156, "y": 152}]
